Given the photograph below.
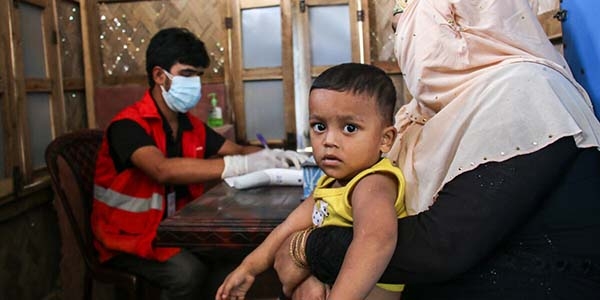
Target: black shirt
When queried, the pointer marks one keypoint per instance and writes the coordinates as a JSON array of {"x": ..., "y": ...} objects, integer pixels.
[{"x": 125, "y": 136}]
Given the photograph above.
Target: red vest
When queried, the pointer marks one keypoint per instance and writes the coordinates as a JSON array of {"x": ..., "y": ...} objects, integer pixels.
[{"x": 129, "y": 206}]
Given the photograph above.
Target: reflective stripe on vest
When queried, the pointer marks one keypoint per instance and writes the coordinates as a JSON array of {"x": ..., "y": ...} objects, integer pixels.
[{"x": 115, "y": 199}]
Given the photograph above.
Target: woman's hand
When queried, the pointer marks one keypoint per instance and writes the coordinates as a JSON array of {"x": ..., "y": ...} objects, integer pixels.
[
  {"x": 290, "y": 275},
  {"x": 395, "y": 19},
  {"x": 311, "y": 289}
]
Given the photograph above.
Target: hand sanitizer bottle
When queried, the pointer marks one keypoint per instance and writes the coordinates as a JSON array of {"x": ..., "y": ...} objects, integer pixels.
[{"x": 215, "y": 117}]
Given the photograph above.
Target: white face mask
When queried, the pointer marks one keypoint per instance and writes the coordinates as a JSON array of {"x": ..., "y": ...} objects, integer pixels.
[{"x": 184, "y": 93}]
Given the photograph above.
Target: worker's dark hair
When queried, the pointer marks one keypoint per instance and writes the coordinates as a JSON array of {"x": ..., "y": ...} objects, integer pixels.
[
  {"x": 359, "y": 79},
  {"x": 175, "y": 45}
]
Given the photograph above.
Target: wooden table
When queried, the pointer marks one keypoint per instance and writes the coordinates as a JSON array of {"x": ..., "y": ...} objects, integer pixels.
[
  {"x": 226, "y": 218},
  {"x": 224, "y": 224}
]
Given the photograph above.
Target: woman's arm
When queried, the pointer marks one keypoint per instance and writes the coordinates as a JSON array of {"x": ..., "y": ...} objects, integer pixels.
[{"x": 472, "y": 215}]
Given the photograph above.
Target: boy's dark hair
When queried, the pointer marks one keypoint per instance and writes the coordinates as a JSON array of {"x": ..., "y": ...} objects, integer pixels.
[
  {"x": 359, "y": 79},
  {"x": 175, "y": 45}
]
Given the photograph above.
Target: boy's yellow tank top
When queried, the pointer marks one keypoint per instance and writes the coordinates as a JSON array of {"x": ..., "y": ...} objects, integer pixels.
[{"x": 332, "y": 205}]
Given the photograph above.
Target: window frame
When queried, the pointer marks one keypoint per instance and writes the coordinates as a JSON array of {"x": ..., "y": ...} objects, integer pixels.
[
  {"x": 239, "y": 74},
  {"x": 295, "y": 75},
  {"x": 19, "y": 176}
]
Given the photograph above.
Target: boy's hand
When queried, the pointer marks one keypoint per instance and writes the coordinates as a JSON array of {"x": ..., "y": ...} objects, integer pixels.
[{"x": 236, "y": 285}]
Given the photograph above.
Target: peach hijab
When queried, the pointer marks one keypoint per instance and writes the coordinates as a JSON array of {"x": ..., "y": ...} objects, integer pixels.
[{"x": 487, "y": 86}]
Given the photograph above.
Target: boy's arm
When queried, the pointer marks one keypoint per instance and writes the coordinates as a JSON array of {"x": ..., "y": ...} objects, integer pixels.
[
  {"x": 375, "y": 235},
  {"x": 262, "y": 257}
]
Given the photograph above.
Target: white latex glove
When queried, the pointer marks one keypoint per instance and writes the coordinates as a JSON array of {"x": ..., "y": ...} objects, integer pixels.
[
  {"x": 289, "y": 156},
  {"x": 236, "y": 165}
]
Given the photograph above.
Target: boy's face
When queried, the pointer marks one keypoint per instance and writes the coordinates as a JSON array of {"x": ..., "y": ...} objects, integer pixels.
[
  {"x": 178, "y": 69},
  {"x": 347, "y": 133},
  {"x": 186, "y": 70}
]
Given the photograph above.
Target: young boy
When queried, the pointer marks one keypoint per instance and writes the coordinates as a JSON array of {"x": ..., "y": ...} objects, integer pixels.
[{"x": 351, "y": 110}]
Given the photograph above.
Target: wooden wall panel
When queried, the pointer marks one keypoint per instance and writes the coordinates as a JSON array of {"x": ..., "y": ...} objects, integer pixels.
[
  {"x": 70, "y": 39},
  {"x": 125, "y": 29}
]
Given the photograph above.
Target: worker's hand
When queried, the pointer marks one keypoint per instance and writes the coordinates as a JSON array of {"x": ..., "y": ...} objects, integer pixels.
[
  {"x": 236, "y": 165},
  {"x": 290, "y": 157}
]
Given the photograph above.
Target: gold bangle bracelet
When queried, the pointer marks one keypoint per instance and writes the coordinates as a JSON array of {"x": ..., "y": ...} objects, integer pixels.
[
  {"x": 298, "y": 249},
  {"x": 303, "y": 244},
  {"x": 298, "y": 246},
  {"x": 294, "y": 250}
]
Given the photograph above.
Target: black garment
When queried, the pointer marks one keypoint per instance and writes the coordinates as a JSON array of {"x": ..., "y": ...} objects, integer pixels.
[
  {"x": 125, "y": 136},
  {"x": 527, "y": 228}
]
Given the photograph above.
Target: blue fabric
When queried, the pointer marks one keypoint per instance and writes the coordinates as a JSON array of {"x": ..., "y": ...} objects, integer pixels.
[{"x": 581, "y": 42}]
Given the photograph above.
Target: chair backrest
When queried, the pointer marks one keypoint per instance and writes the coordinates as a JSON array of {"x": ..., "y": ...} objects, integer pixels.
[{"x": 71, "y": 161}]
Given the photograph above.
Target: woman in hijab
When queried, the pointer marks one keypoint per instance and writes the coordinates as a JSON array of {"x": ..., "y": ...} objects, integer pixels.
[{"x": 500, "y": 150}]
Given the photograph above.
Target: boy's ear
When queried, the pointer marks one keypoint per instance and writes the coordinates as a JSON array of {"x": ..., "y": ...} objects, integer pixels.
[
  {"x": 387, "y": 138},
  {"x": 158, "y": 75}
]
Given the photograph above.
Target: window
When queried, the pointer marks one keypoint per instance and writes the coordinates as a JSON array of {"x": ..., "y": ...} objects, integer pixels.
[
  {"x": 32, "y": 93},
  {"x": 277, "y": 48}
]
